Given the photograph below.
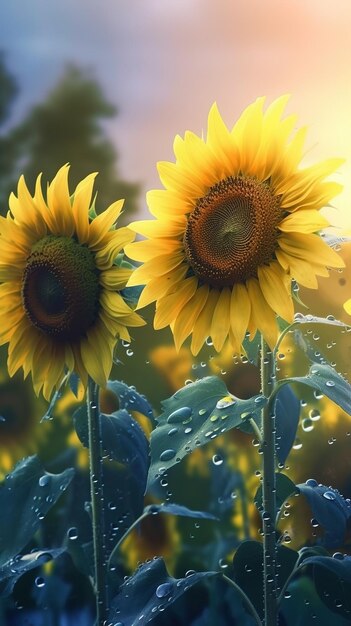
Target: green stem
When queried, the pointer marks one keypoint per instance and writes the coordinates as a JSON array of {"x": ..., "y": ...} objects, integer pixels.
[
  {"x": 269, "y": 491},
  {"x": 245, "y": 599},
  {"x": 114, "y": 553},
  {"x": 96, "y": 491}
]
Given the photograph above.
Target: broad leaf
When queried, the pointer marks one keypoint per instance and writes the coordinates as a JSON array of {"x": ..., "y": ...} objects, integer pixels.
[
  {"x": 15, "y": 568},
  {"x": 123, "y": 440},
  {"x": 192, "y": 417},
  {"x": 149, "y": 591},
  {"x": 284, "y": 489},
  {"x": 287, "y": 413},
  {"x": 324, "y": 378},
  {"x": 177, "y": 509},
  {"x": 26, "y": 495},
  {"x": 332, "y": 579},
  {"x": 330, "y": 510},
  {"x": 248, "y": 570},
  {"x": 130, "y": 399}
]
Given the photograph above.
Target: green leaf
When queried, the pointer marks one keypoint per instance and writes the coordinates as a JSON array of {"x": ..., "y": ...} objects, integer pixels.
[
  {"x": 332, "y": 578},
  {"x": 248, "y": 570},
  {"x": 149, "y": 591},
  {"x": 14, "y": 569},
  {"x": 26, "y": 495},
  {"x": 192, "y": 417},
  {"x": 301, "y": 319},
  {"x": 285, "y": 488},
  {"x": 324, "y": 378}
]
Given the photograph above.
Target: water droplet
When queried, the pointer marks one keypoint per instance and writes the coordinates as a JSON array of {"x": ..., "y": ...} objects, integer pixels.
[
  {"x": 225, "y": 402},
  {"x": 329, "y": 495},
  {"x": 202, "y": 411},
  {"x": 72, "y": 533},
  {"x": 179, "y": 415},
  {"x": 190, "y": 572},
  {"x": 297, "y": 445},
  {"x": 338, "y": 555},
  {"x": 188, "y": 430},
  {"x": 217, "y": 459},
  {"x": 164, "y": 590},
  {"x": 214, "y": 418},
  {"x": 330, "y": 383},
  {"x": 167, "y": 455},
  {"x": 44, "y": 480},
  {"x": 307, "y": 425},
  {"x": 39, "y": 581},
  {"x": 172, "y": 431},
  {"x": 311, "y": 482},
  {"x": 314, "y": 415}
]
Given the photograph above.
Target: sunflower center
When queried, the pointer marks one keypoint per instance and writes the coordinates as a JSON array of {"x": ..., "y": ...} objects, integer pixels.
[
  {"x": 232, "y": 231},
  {"x": 60, "y": 288}
]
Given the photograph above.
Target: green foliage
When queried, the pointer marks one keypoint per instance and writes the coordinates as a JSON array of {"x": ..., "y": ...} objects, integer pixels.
[
  {"x": 67, "y": 127},
  {"x": 193, "y": 416},
  {"x": 284, "y": 489},
  {"x": 26, "y": 495}
]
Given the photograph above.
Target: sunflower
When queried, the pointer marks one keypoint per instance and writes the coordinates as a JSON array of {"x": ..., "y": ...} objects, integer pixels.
[
  {"x": 237, "y": 221},
  {"x": 60, "y": 306}
]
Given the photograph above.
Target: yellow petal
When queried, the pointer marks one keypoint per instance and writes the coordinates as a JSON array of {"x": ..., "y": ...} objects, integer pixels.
[
  {"x": 240, "y": 307},
  {"x": 164, "y": 203},
  {"x": 159, "y": 286},
  {"x": 104, "y": 222},
  {"x": 80, "y": 207},
  {"x": 115, "y": 278},
  {"x": 222, "y": 144},
  {"x": 151, "y": 248},
  {"x": 165, "y": 229},
  {"x": 263, "y": 316},
  {"x": 173, "y": 177},
  {"x": 151, "y": 269},
  {"x": 202, "y": 328},
  {"x": 187, "y": 317},
  {"x": 116, "y": 240},
  {"x": 304, "y": 221},
  {"x": 169, "y": 306},
  {"x": 58, "y": 200},
  {"x": 275, "y": 285},
  {"x": 221, "y": 319},
  {"x": 347, "y": 306},
  {"x": 311, "y": 248}
]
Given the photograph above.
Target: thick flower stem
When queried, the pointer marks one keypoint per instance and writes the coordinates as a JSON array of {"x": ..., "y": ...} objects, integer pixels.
[
  {"x": 269, "y": 492},
  {"x": 96, "y": 490}
]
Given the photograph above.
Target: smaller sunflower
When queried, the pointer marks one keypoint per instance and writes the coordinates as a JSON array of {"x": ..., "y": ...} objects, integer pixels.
[
  {"x": 237, "y": 221},
  {"x": 61, "y": 309}
]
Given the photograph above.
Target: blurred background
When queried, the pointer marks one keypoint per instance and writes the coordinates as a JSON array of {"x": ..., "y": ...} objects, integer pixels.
[
  {"x": 107, "y": 86},
  {"x": 144, "y": 71}
]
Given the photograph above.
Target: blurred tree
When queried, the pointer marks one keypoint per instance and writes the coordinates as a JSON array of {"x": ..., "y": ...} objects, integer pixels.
[
  {"x": 67, "y": 127},
  {"x": 8, "y": 91}
]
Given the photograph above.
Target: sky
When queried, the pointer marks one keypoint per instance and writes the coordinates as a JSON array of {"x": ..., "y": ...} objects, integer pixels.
[{"x": 164, "y": 62}]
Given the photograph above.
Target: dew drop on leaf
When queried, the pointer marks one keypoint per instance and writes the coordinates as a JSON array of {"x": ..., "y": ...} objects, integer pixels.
[
  {"x": 179, "y": 415},
  {"x": 167, "y": 455},
  {"x": 225, "y": 402}
]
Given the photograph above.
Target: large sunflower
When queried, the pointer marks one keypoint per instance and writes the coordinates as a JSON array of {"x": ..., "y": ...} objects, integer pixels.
[
  {"x": 60, "y": 306},
  {"x": 237, "y": 221}
]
